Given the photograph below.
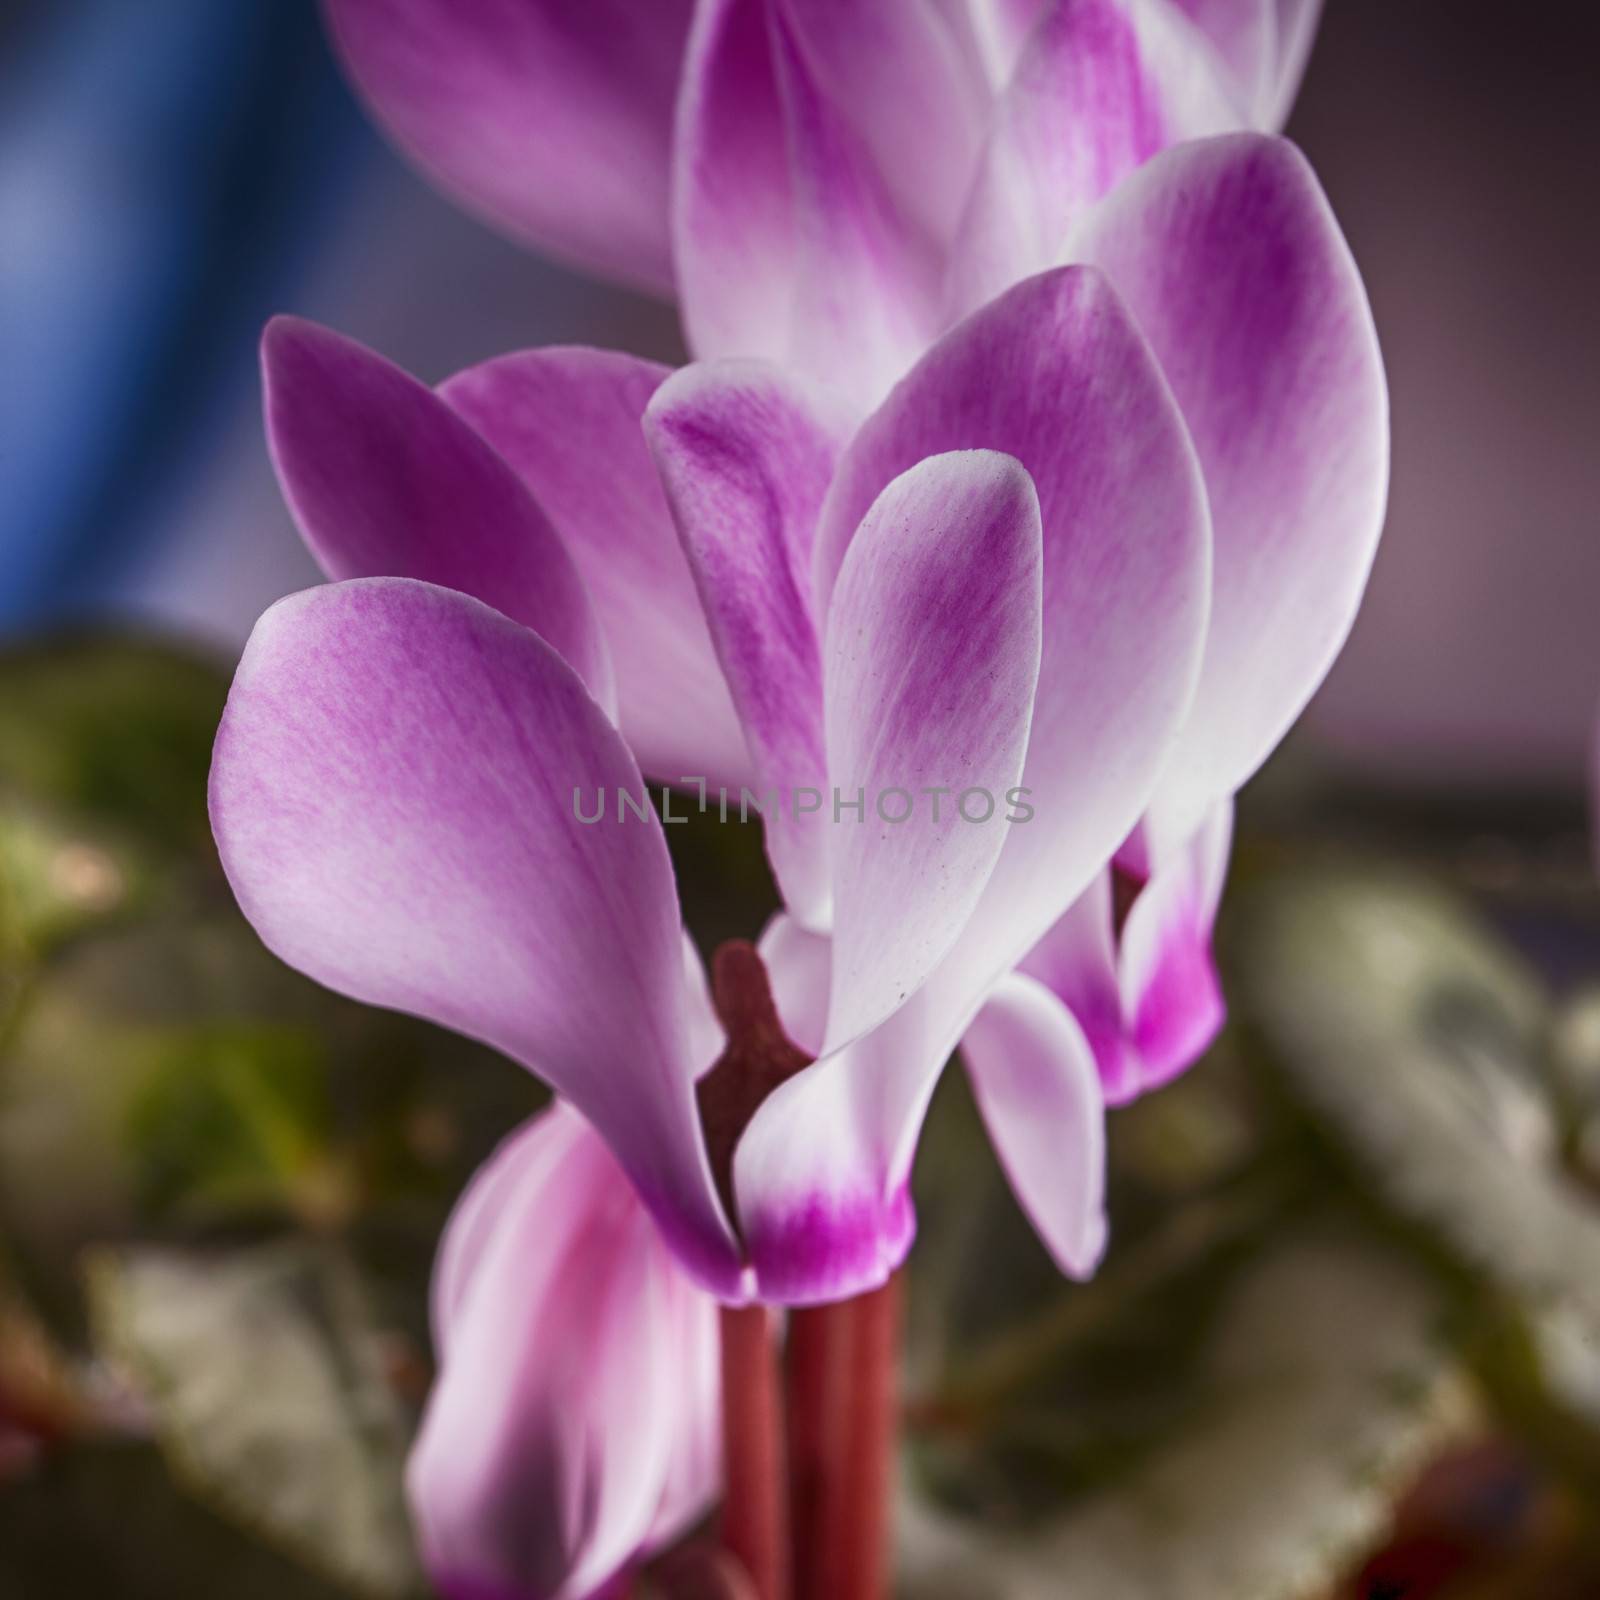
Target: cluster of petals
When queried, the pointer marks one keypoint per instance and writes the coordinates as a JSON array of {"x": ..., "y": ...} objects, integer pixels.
[{"x": 1038, "y": 441}]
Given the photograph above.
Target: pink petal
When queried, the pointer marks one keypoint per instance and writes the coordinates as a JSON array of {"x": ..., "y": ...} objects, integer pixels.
[
  {"x": 573, "y": 1421},
  {"x": 1231, "y": 260},
  {"x": 385, "y": 480},
  {"x": 1148, "y": 998},
  {"x": 1055, "y": 374},
  {"x": 568, "y": 420},
  {"x": 745, "y": 467},
  {"x": 820, "y": 1211},
  {"x": 788, "y": 242},
  {"x": 552, "y": 119},
  {"x": 1034, "y": 1077},
  {"x": 932, "y": 654},
  {"x": 903, "y": 74},
  {"x": 396, "y": 793},
  {"x": 1100, "y": 87},
  {"x": 1077, "y": 960},
  {"x": 1171, "y": 993},
  {"x": 932, "y": 646},
  {"x": 799, "y": 966}
]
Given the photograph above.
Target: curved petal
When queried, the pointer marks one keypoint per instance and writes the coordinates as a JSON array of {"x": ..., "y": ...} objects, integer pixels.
[
  {"x": 568, "y": 421},
  {"x": 1231, "y": 260},
  {"x": 1171, "y": 994},
  {"x": 799, "y": 967},
  {"x": 819, "y": 1213},
  {"x": 1101, "y": 86},
  {"x": 1055, "y": 374},
  {"x": 1077, "y": 960},
  {"x": 932, "y": 655},
  {"x": 745, "y": 466},
  {"x": 567, "y": 1430},
  {"x": 1034, "y": 1078},
  {"x": 552, "y": 119},
  {"x": 1147, "y": 997},
  {"x": 787, "y": 241},
  {"x": 386, "y": 481},
  {"x": 396, "y": 795}
]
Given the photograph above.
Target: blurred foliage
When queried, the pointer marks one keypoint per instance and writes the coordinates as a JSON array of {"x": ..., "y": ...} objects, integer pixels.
[
  {"x": 1357, "y": 1237},
  {"x": 220, "y": 1185},
  {"x": 1355, "y": 1243},
  {"x": 266, "y": 1376}
]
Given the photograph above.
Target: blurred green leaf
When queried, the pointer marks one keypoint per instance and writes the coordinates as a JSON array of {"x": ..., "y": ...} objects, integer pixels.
[
  {"x": 265, "y": 1373},
  {"x": 59, "y": 878},
  {"x": 162, "y": 1069},
  {"x": 236, "y": 1116},
  {"x": 114, "y": 729},
  {"x": 1321, "y": 1388},
  {"x": 1036, "y": 1389},
  {"x": 1416, "y": 1042}
]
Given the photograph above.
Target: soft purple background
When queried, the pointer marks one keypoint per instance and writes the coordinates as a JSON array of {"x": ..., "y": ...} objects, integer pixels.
[{"x": 1460, "y": 143}]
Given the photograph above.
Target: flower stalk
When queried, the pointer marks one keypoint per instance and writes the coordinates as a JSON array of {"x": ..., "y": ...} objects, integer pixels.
[
  {"x": 755, "y": 1510},
  {"x": 843, "y": 1386}
]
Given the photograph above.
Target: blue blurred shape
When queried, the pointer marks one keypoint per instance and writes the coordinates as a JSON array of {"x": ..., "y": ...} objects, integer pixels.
[{"x": 165, "y": 165}]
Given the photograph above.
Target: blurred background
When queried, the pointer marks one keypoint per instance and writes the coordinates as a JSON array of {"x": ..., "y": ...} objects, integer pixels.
[
  {"x": 172, "y": 172},
  {"x": 1346, "y": 1343}
]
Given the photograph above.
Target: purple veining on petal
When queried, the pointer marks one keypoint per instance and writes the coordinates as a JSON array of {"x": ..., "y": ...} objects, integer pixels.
[
  {"x": 385, "y": 480},
  {"x": 745, "y": 464},
  {"x": 1229, "y": 256},
  {"x": 568, "y": 421}
]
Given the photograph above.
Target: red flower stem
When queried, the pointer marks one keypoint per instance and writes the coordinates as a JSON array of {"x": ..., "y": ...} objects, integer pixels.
[
  {"x": 844, "y": 1417},
  {"x": 755, "y": 1509},
  {"x": 818, "y": 1379}
]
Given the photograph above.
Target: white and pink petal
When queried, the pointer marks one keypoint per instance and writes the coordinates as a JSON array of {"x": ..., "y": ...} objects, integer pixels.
[
  {"x": 745, "y": 464},
  {"x": 1056, "y": 375},
  {"x": 932, "y": 655},
  {"x": 789, "y": 242},
  {"x": 1228, "y": 254},
  {"x": 1037, "y": 1086},
  {"x": 385, "y": 480},
  {"x": 572, "y": 1425},
  {"x": 398, "y": 794}
]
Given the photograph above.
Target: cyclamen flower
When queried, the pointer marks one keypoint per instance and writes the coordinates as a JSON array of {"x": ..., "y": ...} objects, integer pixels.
[
  {"x": 396, "y": 775},
  {"x": 392, "y": 796},
  {"x": 827, "y": 183},
  {"x": 384, "y": 478}
]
